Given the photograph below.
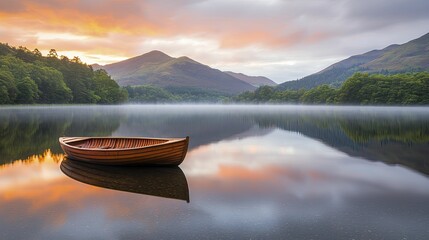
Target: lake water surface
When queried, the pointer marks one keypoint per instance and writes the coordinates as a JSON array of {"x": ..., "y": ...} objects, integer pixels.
[{"x": 251, "y": 172}]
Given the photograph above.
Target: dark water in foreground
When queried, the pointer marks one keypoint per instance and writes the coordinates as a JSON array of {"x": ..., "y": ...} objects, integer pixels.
[{"x": 251, "y": 172}]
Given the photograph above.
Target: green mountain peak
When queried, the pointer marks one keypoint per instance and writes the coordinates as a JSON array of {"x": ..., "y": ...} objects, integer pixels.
[{"x": 412, "y": 56}]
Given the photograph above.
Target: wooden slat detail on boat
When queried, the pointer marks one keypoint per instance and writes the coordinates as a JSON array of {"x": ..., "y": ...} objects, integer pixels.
[
  {"x": 126, "y": 152},
  {"x": 118, "y": 143}
]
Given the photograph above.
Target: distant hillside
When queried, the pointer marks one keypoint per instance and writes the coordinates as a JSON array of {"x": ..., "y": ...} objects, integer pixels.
[
  {"x": 96, "y": 66},
  {"x": 256, "y": 81},
  {"x": 158, "y": 69},
  {"x": 412, "y": 56}
]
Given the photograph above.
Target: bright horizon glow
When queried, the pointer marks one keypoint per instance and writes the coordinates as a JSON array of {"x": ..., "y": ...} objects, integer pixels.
[
  {"x": 88, "y": 58},
  {"x": 282, "y": 40}
]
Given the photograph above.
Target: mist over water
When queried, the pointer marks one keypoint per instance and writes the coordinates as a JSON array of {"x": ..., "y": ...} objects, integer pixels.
[{"x": 252, "y": 171}]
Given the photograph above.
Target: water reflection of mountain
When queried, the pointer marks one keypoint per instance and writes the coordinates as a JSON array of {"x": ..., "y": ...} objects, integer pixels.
[
  {"x": 393, "y": 136},
  {"x": 28, "y": 131},
  {"x": 400, "y": 139},
  {"x": 202, "y": 128}
]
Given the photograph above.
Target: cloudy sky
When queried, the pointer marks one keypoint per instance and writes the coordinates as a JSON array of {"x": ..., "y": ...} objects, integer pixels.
[{"x": 281, "y": 39}]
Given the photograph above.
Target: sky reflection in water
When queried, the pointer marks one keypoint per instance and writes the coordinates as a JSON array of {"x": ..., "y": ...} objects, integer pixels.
[{"x": 271, "y": 174}]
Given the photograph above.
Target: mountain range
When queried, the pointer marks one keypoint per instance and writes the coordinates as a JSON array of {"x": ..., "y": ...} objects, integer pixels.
[
  {"x": 256, "y": 81},
  {"x": 158, "y": 69},
  {"x": 408, "y": 57}
]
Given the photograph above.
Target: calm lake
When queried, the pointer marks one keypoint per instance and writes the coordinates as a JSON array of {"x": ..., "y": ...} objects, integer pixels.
[{"x": 251, "y": 172}]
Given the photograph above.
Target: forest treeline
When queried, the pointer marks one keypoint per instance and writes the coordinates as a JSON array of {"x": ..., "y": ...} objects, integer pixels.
[
  {"x": 27, "y": 77},
  {"x": 154, "y": 94},
  {"x": 360, "y": 89}
]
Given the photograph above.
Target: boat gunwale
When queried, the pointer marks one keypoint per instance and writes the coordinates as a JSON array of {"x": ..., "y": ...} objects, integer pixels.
[{"x": 169, "y": 141}]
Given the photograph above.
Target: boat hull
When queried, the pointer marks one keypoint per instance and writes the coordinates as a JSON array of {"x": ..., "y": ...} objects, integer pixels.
[{"x": 126, "y": 151}]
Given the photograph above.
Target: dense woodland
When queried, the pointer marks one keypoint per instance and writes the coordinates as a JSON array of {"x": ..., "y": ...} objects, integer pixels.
[
  {"x": 360, "y": 89},
  {"x": 149, "y": 94},
  {"x": 154, "y": 94},
  {"x": 27, "y": 77}
]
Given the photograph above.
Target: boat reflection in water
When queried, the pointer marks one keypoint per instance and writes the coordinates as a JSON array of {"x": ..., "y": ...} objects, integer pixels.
[{"x": 167, "y": 182}]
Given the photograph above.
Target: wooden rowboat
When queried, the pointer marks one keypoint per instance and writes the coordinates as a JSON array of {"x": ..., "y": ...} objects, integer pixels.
[
  {"x": 167, "y": 182},
  {"x": 126, "y": 151}
]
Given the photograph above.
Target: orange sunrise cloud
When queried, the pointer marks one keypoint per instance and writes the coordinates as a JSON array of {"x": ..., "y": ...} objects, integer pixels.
[{"x": 234, "y": 35}]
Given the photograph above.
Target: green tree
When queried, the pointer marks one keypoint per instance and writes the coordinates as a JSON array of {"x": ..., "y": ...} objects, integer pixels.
[
  {"x": 7, "y": 84},
  {"x": 107, "y": 89},
  {"x": 27, "y": 91},
  {"x": 53, "y": 53},
  {"x": 351, "y": 90},
  {"x": 319, "y": 95},
  {"x": 52, "y": 88},
  {"x": 150, "y": 94}
]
